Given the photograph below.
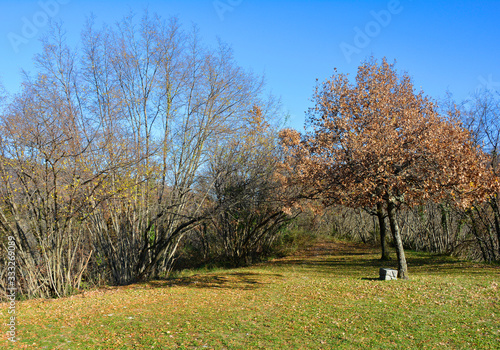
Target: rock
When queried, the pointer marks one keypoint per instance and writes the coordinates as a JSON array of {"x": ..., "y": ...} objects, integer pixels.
[{"x": 388, "y": 274}]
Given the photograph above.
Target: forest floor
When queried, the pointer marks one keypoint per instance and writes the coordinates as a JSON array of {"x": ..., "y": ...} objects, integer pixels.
[{"x": 327, "y": 296}]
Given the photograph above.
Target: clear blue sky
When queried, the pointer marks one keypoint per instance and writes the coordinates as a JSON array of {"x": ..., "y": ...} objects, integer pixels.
[{"x": 443, "y": 45}]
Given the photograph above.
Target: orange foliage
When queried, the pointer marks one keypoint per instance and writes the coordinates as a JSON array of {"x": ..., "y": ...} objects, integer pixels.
[{"x": 378, "y": 140}]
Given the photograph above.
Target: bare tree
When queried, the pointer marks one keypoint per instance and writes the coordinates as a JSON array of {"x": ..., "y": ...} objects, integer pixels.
[
  {"x": 177, "y": 97},
  {"x": 46, "y": 145},
  {"x": 481, "y": 115},
  {"x": 246, "y": 197},
  {"x": 102, "y": 150}
]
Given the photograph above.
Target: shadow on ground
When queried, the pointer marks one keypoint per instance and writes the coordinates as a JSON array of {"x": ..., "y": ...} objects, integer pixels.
[
  {"x": 348, "y": 259},
  {"x": 335, "y": 259},
  {"x": 230, "y": 280}
]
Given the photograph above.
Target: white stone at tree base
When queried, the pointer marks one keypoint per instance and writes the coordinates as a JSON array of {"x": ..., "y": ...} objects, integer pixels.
[{"x": 388, "y": 274}]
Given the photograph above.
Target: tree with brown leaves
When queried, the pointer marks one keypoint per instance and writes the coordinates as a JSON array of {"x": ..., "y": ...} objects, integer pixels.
[{"x": 379, "y": 143}]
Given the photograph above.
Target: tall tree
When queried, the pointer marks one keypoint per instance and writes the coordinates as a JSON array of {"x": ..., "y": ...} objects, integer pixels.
[
  {"x": 46, "y": 148},
  {"x": 101, "y": 151},
  {"x": 377, "y": 142},
  {"x": 176, "y": 97}
]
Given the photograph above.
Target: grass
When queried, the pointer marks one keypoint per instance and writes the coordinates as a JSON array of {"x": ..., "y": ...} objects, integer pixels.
[{"x": 326, "y": 297}]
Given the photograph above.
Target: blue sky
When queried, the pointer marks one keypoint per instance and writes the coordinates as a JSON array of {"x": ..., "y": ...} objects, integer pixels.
[{"x": 443, "y": 45}]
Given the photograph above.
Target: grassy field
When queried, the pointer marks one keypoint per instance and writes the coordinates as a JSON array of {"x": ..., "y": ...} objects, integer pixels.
[{"x": 326, "y": 297}]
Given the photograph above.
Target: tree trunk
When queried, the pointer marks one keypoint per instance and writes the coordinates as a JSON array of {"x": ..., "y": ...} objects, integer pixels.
[
  {"x": 381, "y": 223},
  {"x": 444, "y": 242},
  {"x": 496, "y": 213},
  {"x": 402, "y": 267}
]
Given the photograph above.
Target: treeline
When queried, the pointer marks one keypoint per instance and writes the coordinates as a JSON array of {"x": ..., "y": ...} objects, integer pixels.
[
  {"x": 112, "y": 154},
  {"x": 145, "y": 149},
  {"x": 439, "y": 228}
]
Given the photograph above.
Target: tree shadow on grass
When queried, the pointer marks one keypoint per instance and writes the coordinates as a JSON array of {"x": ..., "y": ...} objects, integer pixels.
[
  {"x": 333, "y": 266},
  {"x": 230, "y": 280},
  {"x": 371, "y": 279},
  {"x": 353, "y": 259},
  {"x": 330, "y": 259}
]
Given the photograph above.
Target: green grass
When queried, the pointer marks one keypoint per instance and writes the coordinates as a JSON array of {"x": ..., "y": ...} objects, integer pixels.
[{"x": 327, "y": 297}]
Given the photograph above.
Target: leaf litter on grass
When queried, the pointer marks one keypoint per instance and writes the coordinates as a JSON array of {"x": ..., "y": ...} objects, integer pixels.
[{"x": 325, "y": 296}]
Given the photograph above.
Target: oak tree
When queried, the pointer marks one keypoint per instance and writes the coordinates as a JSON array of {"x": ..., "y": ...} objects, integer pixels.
[{"x": 379, "y": 143}]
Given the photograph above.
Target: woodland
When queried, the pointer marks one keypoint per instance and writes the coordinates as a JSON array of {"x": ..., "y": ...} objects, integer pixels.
[{"x": 147, "y": 151}]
